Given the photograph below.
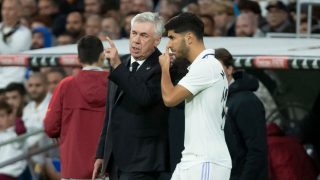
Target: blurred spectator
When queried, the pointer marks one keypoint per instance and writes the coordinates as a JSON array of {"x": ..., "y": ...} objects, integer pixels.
[
  {"x": 208, "y": 23},
  {"x": 41, "y": 38},
  {"x": 252, "y": 7},
  {"x": 278, "y": 18},
  {"x": 93, "y": 25},
  {"x": 29, "y": 8},
  {"x": 245, "y": 129},
  {"x": 43, "y": 70},
  {"x": 54, "y": 76},
  {"x": 168, "y": 9},
  {"x": 67, "y": 6},
  {"x": 12, "y": 150},
  {"x": 247, "y": 26},
  {"x": 125, "y": 7},
  {"x": 192, "y": 8},
  {"x": 224, "y": 18},
  {"x": 205, "y": 6},
  {"x": 92, "y": 7},
  {"x": 288, "y": 159},
  {"x": 34, "y": 113},
  {"x": 14, "y": 38},
  {"x": 39, "y": 21},
  {"x": 75, "y": 25},
  {"x": 315, "y": 23},
  {"x": 2, "y": 95},
  {"x": 315, "y": 26},
  {"x": 47, "y": 7},
  {"x": 111, "y": 28},
  {"x": 28, "y": 11},
  {"x": 64, "y": 39},
  {"x": 15, "y": 97},
  {"x": 127, "y": 23},
  {"x": 142, "y": 6},
  {"x": 115, "y": 14},
  {"x": 50, "y": 10}
]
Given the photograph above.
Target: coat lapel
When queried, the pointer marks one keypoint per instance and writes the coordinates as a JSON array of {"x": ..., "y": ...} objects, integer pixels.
[
  {"x": 146, "y": 66},
  {"x": 149, "y": 63}
]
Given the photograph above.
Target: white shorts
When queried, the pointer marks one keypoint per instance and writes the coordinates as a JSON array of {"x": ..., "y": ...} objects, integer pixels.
[{"x": 202, "y": 171}]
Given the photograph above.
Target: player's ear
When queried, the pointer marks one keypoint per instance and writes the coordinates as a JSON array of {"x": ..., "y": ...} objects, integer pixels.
[{"x": 188, "y": 38}]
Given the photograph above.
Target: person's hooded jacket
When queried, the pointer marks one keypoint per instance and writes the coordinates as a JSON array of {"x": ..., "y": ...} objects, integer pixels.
[
  {"x": 288, "y": 160},
  {"x": 76, "y": 116},
  {"x": 245, "y": 129},
  {"x": 47, "y": 35}
]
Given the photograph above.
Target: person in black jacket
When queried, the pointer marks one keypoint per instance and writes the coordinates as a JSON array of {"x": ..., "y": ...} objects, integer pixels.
[
  {"x": 134, "y": 140},
  {"x": 245, "y": 128}
]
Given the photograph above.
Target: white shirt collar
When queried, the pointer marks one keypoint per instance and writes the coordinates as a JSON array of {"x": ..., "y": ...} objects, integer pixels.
[
  {"x": 92, "y": 68},
  {"x": 202, "y": 55},
  {"x": 134, "y": 60}
]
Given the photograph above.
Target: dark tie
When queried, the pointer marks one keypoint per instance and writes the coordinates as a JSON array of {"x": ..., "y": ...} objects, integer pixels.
[{"x": 134, "y": 66}]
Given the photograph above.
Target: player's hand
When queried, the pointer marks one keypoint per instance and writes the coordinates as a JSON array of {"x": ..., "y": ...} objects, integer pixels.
[
  {"x": 111, "y": 54},
  {"x": 165, "y": 59},
  {"x": 97, "y": 168}
]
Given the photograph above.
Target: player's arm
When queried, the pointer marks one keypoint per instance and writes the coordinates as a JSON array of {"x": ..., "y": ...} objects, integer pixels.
[{"x": 171, "y": 95}]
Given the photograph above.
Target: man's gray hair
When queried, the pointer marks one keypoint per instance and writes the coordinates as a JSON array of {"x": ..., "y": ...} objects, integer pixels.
[{"x": 150, "y": 17}]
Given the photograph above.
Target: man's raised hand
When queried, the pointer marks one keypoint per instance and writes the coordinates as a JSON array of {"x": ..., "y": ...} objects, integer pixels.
[{"x": 111, "y": 54}]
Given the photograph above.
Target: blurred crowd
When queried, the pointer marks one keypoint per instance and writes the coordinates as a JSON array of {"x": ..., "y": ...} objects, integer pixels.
[{"x": 53, "y": 22}]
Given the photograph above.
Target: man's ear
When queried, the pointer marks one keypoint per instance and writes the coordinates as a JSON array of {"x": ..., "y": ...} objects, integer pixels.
[
  {"x": 157, "y": 41},
  {"x": 188, "y": 38}
]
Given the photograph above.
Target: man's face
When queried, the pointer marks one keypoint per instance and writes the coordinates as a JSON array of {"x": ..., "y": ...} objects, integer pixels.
[
  {"x": 93, "y": 27},
  {"x": 46, "y": 8},
  {"x": 110, "y": 27},
  {"x": 221, "y": 19},
  {"x": 178, "y": 45},
  {"x": 37, "y": 40},
  {"x": 140, "y": 6},
  {"x": 276, "y": 16},
  {"x": 92, "y": 7},
  {"x": 205, "y": 6},
  {"x": 143, "y": 40},
  {"x": 127, "y": 23},
  {"x": 37, "y": 88},
  {"x": 74, "y": 23},
  {"x": 208, "y": 26},
  {"x": 4, "y": 120},
  {"x": 14, "y": 99},
  {"x": 29, "y": 8},
  {"x": 167, "y": 10},
  {"x": 244, "y": 28},
  {"x": 125, "y": 6},
  {"x": 53, "y": 80},
  {"x": 64, "y": 40},
  {"x": 10, "y": 13}
]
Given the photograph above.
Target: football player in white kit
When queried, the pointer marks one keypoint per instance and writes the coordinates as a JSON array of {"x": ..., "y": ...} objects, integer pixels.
[{"x": 204, "y": 90}]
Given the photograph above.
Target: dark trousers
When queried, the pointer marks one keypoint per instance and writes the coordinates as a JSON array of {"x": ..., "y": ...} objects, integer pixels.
[
  {"x": 117, "y": 174},
  {"x": 144, "y": 176}
]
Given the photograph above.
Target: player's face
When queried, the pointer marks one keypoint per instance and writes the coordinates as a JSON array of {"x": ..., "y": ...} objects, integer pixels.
[{"x": 177, "y": 44}]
